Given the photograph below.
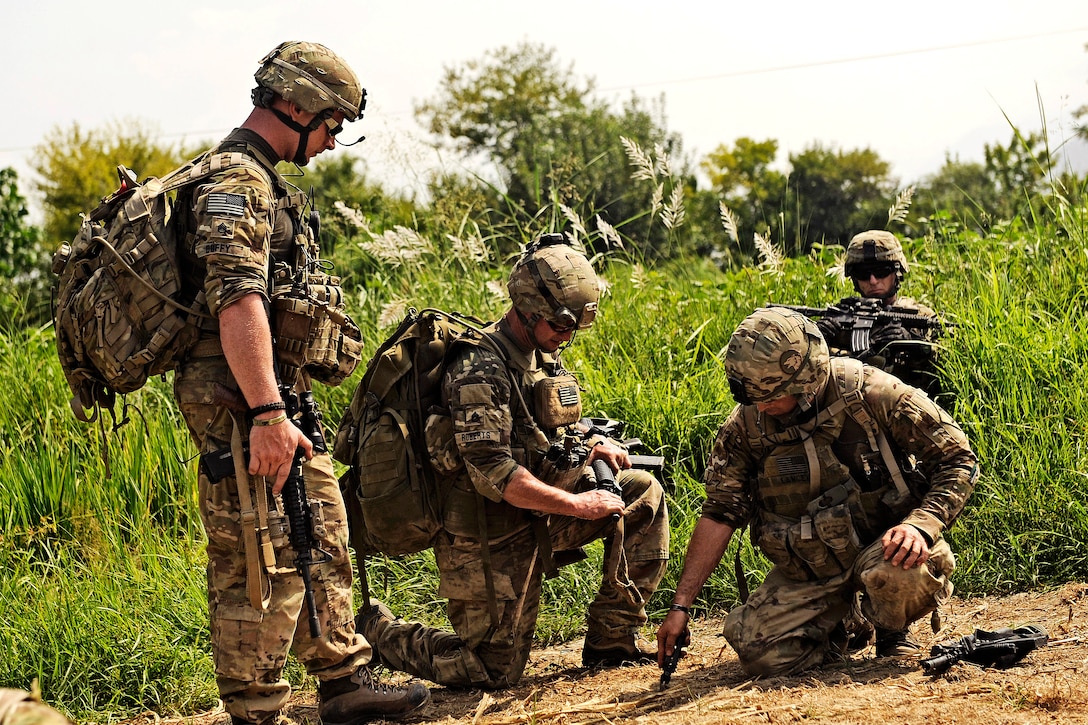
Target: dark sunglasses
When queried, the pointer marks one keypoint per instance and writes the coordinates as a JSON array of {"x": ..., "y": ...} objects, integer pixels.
[{"x": 879, "y": 271}]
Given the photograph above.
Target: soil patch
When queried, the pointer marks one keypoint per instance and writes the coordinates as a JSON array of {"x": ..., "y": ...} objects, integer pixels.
[{"x": 1049, "y": 686}]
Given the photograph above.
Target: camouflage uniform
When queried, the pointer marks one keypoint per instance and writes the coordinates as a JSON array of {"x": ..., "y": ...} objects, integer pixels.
[
  {"x": 229, "y": 251},
  {"x": 24, "y": 708},
  {"x": 821, "y": 525},
  {"x": 917, "y": 369},
  {"x": 482, "y": 442}
]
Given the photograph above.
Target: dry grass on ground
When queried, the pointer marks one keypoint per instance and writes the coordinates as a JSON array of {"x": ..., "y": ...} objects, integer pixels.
[{"x": 1049, "y": 686}]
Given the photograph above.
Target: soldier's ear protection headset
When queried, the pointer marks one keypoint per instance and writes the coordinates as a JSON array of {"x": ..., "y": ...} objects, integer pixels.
[{"x": 565, "y": 319}]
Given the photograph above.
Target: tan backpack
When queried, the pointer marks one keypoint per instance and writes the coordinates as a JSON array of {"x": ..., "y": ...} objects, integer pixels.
[
  {"x": 391, "y": 486},
  {"x": 121, "y": 312}
]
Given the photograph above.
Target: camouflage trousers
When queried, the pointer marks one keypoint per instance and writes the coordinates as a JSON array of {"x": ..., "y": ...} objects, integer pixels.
[
  {"x": 477, "y": 654},
  {"x": 786, "y": 625},
  {"x": 250, "y": 646}
]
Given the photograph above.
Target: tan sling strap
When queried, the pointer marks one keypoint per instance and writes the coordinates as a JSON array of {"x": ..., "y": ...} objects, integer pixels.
[{"x": 260, "y": 555}]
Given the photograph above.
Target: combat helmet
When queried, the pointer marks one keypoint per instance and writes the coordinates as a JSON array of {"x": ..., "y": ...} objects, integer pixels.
[
  {"x": 776, "y": 352},
  {"x": 554, "y": 281},
  {"x": 315, "y": 79},
  {"x": 24, "y": 708}
]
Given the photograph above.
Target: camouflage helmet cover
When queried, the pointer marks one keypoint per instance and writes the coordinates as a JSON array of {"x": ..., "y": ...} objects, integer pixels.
[
  {"x": 313, "y": 77},
  {"x": 555, "y": 281},
  {"x": 875, "y": 246},
  {"x": 776, "y": 352},
  {"x": 22, "y": 708}
]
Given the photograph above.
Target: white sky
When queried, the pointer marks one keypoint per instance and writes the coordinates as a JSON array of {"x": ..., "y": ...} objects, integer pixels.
[{"x": 913, "y": 81}]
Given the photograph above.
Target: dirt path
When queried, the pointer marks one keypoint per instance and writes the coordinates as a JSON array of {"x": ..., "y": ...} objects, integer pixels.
[{"x": 1049, "y": 686}]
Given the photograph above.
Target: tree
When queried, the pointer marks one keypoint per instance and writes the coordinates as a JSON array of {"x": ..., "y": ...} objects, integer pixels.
[
  {"x": 741, "y": 178},
  {"x": 24, "y": 262},
  {"x": 78, "y": 167},
  {"x": 835, "y": 194},
  {"x": 550, "y": 140}
]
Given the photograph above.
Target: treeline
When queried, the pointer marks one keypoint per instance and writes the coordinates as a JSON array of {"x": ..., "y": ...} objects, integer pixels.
[{"x": 563, "y": 158}]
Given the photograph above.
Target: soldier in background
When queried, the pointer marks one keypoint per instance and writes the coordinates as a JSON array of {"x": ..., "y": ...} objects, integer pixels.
[
  {"x": 848, "y": 479},
  {"x": 521, "y": 500},
  {"x": 876, "y": 266}
]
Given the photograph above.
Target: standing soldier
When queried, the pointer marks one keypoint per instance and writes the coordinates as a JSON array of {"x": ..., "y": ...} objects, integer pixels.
[
  {"x": 275, "y": 323},
  {"x": 520, "y": 498},
  {"x": 848, "y": 478}
]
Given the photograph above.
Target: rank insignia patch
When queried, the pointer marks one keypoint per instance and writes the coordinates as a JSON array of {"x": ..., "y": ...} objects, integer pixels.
[{"x": 222, "y": 228}]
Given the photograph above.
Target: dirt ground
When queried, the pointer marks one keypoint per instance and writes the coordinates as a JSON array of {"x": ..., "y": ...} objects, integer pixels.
[{"x": 1049, "y": 686}]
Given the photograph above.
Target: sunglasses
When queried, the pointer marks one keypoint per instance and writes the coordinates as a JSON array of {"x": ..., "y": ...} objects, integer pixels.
[
  {"x": 879, "y": 271},
  {"x": 333, "y": 125}
]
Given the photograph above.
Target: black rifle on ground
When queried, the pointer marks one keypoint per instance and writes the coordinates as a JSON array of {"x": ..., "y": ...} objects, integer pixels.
[
  {"x": 1000, "y": 648},
  {"x": 668, "y": 668},
  {"x": 857, "y": 315},
  {"x": 302, "y": 411}
]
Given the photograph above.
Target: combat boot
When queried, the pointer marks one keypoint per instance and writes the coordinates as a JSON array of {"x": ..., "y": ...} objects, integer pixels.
[
  {"x": 601, "y": 651},
  {"x": 358, "y": 698},
  {"x": 895, "y": 643}
]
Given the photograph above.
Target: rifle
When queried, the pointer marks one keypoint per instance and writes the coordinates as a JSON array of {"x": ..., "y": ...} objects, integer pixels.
[
  {"x": 610, "y": 428},
  {"x": 606, "y": 481},
  {"x": 296, "y": 507},
  {"x": 1001, "y": 648},
  {"x": 668, "y": 667},
  {"x": 858, "y": 315}
]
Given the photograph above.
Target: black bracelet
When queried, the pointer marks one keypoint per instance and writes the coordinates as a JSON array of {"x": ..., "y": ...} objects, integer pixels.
[
  {"x": 680, "y": 608},
  {"x": 266, "y": 408}
]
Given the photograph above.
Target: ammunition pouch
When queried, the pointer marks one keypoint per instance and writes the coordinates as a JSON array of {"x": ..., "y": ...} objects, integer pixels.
[
  {"x": 312, "y": 332},
  {"x": 823, "y": 543}
]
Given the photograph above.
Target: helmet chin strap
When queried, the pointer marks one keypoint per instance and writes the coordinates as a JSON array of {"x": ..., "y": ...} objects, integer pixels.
[{"x": 302, "y": 131}]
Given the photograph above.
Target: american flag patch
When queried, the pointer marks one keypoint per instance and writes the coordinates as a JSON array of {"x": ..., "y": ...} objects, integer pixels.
[{"x": 227, "y": 204}]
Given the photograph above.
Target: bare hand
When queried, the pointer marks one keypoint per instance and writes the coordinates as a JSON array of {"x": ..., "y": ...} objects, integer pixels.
[
  {"x": 905, "y": 546},
  {"x": 593, "y": 505},
  {"x": 675, "y": 624},
  {"x": 272, "y": 451},
  {"x": 615, "y": 456}
]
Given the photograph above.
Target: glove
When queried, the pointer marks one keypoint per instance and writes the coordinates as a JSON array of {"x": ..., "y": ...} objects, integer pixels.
[
  {"x": 829, "y": 328},
  {"x": 892, "y": 332}
]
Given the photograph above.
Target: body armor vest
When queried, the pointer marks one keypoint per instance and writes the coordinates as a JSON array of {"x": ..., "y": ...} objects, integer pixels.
[{"x": 828, "y": 487}]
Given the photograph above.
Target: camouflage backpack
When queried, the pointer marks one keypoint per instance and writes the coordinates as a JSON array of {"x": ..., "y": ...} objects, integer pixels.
[
  {"x": 393, "y": 495},
  {"x": 121, "y": 313}
]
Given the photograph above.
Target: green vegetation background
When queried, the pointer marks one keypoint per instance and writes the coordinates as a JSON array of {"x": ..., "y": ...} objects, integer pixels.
[{"x": 102, "y": 578}]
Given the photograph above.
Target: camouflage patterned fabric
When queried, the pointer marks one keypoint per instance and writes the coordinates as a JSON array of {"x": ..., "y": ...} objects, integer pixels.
[
  {"x": 24, "y": 708},
  {"x": 755, "y": 475},
  {"x": 229, "y": 248},
  {"x": 313, "y": 77},
  {"x": 493, "y": 437},
  {"x": 872, "y": 247},
  {"x": 776, "y": 352}
]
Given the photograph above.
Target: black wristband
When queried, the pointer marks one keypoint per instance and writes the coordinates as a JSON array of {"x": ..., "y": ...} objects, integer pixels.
[
  {"x": 680, "y": 608},
  {"x": 266, "y": 408}
]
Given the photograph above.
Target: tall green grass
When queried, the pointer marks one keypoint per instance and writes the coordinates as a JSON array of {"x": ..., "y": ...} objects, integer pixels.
[{"x": 102, "y": 581}]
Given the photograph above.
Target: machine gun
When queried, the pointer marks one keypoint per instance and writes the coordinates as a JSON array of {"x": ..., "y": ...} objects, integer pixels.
[
  {"x": 303, "y": 412},
  {"x": 668, "y": 667},
  {"x": 857, "y": 316},
  {"x": 1000, "y": 648}
]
